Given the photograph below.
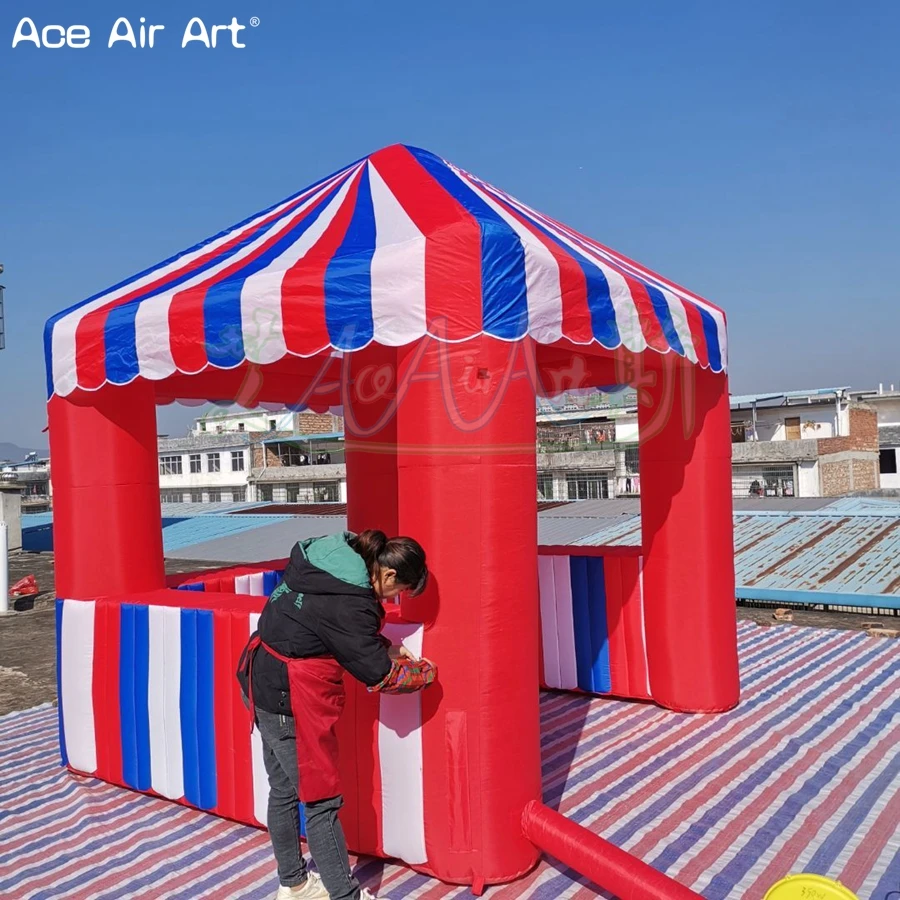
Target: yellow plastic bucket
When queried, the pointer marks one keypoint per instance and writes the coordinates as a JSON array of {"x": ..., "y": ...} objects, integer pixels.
[{"x": 809, "y": 887}]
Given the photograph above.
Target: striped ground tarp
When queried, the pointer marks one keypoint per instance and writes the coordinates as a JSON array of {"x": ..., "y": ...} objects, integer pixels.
[{"x": 803, "y": 776}]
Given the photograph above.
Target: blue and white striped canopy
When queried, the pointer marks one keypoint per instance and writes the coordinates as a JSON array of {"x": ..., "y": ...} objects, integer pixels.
[{"x": 398, "y": 245}]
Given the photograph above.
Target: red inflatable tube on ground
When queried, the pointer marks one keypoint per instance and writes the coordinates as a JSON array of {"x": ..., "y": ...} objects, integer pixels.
[{"x": 604, "y": 863}]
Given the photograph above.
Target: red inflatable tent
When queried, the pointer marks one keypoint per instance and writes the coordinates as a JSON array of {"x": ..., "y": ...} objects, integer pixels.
[{"x": 432, "y": 307}]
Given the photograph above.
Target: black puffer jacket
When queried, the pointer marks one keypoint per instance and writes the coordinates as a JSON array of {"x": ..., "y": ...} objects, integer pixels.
[{"x": 324, "y": 606}]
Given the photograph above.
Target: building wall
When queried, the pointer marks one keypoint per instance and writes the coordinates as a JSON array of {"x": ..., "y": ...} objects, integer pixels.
[
  {"x": 850, "y": 463},
  {"x": 863, "y": 433},
  {"x": 887, "y": 408},
  {"x": 260, "y": 420},
  {"x": 808, "y": 479},
  {"x": 845, "y": 473},
  {"x": 225, "y": 479},
  {"x": 817, "y": 421},
  {"x": 251, "y": 420},
  {"x": 318, "y": 423}
]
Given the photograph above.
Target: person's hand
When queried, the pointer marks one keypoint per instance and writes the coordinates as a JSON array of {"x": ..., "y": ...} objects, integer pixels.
[{"x": 398, "y": 651}]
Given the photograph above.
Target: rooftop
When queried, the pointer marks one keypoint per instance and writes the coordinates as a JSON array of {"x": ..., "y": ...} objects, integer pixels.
[
  {"x": 782, "y": 398},
  {"x": 205, "y": 441},
  {"x": 659, "y": 784},
  {"x": 288, "y": 438}
]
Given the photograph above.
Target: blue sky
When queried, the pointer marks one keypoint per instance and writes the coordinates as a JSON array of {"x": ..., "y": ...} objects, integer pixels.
[{"x": 748, "y": 151}]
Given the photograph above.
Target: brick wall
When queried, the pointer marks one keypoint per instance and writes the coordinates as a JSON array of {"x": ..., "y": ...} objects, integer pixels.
[
  {"x": 850, "y": 463},
  {"x": 849, "y": 475},
  {"x": 318, "y": 423},
  {"x": 835, "y": 478},
  {"x": 265, "y": 455},
  {"x": 863, "y": 433},
  {"x": 865, "y": 475}
]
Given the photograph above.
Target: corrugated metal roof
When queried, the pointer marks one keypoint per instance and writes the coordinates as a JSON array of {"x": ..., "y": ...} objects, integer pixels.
[
  {"x": 204, "y": 441},
  {"x": 305, "y": 438},
  {"x": 204, "y": 529},
  {"x": 273, "y": 539},
  {"x": 843, "y": 554},
  {"x": 597, "y": 509},
  {"x": 816, "y": 393},
  {"x": 190, "y": 510},
  {"x": 781, "y": 504},
  {"x": 33, "y": 520},
  {"x": 850, "y": 547}
]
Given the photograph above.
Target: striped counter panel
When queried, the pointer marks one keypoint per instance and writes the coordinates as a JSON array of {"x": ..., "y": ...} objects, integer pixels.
[
  {"x": 148, "y": 699},
  {"x": 592, "y": 622},
  {"x": 242, "y": 580}
]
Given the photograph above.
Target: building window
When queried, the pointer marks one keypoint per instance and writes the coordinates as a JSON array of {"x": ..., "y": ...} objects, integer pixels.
[
  {"x": 545, "y": 486},
  {"x": 763, "y": 481},
  {"x": 196, "y": 497},
  {"x": 240, "y": 426},
  {"x": 632, "y": 461},
  {"x": 313, "y": 492},
  {"x": 237, "y": 460},
  {"x": 887, "y": 461},
  {"x": 264, "y": 492},
  {"x": 239, "y": 495},
  {"x": 214, "y": 495},
  {"x": 587, "y": 486},
  {"x": 326, "y": 492},
  {"x": 194, "y": 460},
  {"x": 738, "y": 432},
  {"x": 170, "y": 465},
  {"x": 272, "y": 424},
  {"x": 170, "y": 496},
  {"x": 292, "y": 455},
  {"x": 202, "y": 425},
  {"x": 213, "y": 462}
]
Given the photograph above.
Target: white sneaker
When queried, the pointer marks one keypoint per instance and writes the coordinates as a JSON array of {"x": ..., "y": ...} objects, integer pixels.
[
  {"x": 366, "y": 894},
  {"x": 313, "y": 889}
]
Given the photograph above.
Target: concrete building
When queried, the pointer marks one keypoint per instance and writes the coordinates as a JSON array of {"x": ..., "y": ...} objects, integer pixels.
[
  {"x": 32, "y": 478},
  {"x": 820, "y": 443},
  {"x": 587, "y": 446},
  {"x": 204, "y": 468},
  {"x": 300, "y": 468},
  {"x": 261, "y": 420},
  {"x": 255, "y": 455}
]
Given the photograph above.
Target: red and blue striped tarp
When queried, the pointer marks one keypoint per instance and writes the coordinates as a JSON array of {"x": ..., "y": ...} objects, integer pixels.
[
  {"x": 803, "y": 776},
  {"x": 396, "y": 246}
]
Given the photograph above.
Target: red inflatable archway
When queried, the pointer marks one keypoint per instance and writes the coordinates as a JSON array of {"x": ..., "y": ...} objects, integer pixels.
[{"x": 433, "y": 308}]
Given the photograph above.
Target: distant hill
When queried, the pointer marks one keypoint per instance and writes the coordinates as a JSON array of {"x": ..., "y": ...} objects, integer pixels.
[{"x": 15, "y": 453}]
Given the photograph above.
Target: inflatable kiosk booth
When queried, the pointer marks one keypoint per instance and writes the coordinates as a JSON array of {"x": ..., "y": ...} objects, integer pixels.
[{"x": 432, "y": 308}]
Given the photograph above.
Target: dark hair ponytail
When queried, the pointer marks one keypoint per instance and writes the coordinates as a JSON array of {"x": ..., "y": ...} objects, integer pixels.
[{"x": 402, "y": 554}]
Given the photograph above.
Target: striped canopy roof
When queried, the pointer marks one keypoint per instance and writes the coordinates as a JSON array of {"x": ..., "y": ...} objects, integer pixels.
[{"x": 398, "y": 245}]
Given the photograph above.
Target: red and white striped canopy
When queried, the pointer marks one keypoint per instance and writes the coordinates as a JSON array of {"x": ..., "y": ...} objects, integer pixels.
[{"x": 399, "y": 245}]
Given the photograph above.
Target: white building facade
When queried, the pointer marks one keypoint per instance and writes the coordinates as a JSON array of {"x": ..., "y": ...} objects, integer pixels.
[{"x": 205, "y": 468}]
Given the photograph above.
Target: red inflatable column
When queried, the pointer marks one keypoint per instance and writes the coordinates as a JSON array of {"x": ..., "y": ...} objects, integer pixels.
[
  {"x": 686, "y": 509},
  {"x": 468, "y": 491},
  {"x": 370, "y": 425},
  {"x": 107, "y": 529},
  {"x": 466, "y": 488}
]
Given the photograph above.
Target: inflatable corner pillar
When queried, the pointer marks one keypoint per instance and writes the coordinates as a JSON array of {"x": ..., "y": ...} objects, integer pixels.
[
  {"x": 466, "y": 489},
  {"x": 107, "y": 528},
  {"x": 686, "y": 510}
]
